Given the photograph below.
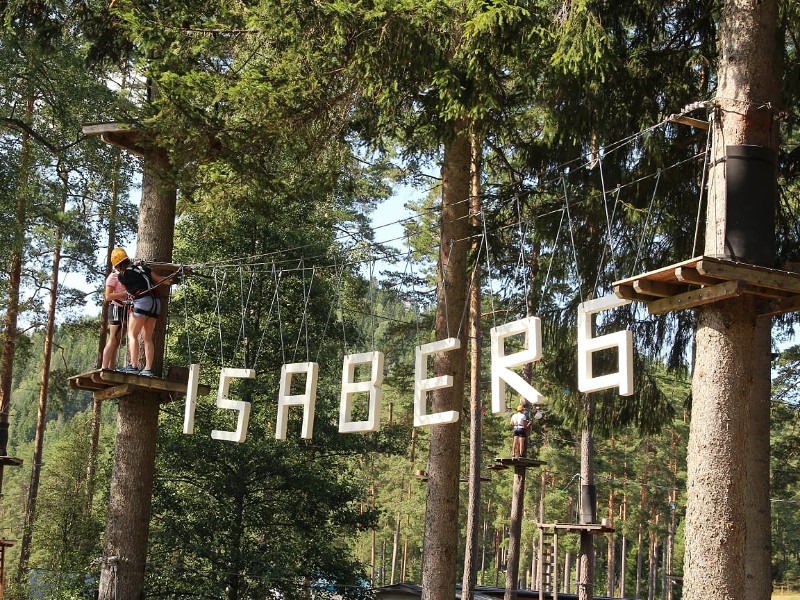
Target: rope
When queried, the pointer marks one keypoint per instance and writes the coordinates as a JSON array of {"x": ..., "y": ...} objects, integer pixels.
[
  {"x": 485, "y": 237},
  {"x": 572, "y": 239},
  {"x": 266, "y": 324},
  {"x": 552, "y": 258},
  {"x": 646, "y": 223},
  {"x": 702, "y": 184}
]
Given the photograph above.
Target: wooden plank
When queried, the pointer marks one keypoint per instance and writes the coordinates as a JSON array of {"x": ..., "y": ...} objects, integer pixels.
[
  {"x": 123, "y": 135},
  {"x": 781, "y": 307},
  {"x": 81, "y": 382},
  {"x": 626, "y": 292},
  {"x": 662, "y": 274},
  {"x": 519, "y": 462},
  {"x": 114, "y": 392},
  {"x": 593, "y": 528},
  {"x": 690, "y": 275},
  {"x": 684, "y": 120},
  {"x": 770, "y": 278},
  {"x": 763, "y": 292},
  {"x": 693, "y": 298},
  {"x": 141, "y": 381},
  {"x": 658, "y": 289}
]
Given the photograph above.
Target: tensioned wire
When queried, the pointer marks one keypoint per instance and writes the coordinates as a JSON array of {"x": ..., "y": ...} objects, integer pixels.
[
  {"x": 559, "y": 172},
  {"x": 375, "y": 246},
  {"x": 277, "y": 272}
]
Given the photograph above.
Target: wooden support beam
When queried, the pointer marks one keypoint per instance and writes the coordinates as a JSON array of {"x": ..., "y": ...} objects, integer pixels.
[
  {"x": 754, "y": 276},
  {"x": 780, "y": 307},
  {"x": 713, "y": 293},
  {"x": 626, "y": 292},
  {"x": 114, "y": 392},
  {"x": 690, "y": 275},
  {"x": 767, "y": 293},
  {"x": 684, "y": 120},
  {"x": 657, "y": 288}
]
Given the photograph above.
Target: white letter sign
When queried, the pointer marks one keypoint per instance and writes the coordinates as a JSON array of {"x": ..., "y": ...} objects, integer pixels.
[
  {"x": 350, "y": 388},
  {"x": 191, "y": 399},
  {"x": 306, "y": 399},
  {"x": 502, "y": 363},
  {"x": 423, "y": 384},
  {"x": 587, "y": 345},
  {"x": 225, "y": 377}
]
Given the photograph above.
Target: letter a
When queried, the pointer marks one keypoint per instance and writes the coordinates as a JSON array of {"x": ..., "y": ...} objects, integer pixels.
[{"x": 306, "y": 399}]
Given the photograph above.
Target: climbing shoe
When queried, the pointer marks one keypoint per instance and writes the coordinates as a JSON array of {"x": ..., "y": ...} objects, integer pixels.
[
  {"x": 129, "y": 369},
  {"x": 147, "y": 373}
]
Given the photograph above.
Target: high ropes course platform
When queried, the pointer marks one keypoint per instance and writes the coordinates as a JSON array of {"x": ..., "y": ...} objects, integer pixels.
[
  {"x": 106, "y": 384},
  {"x": 704, "y": 279}
]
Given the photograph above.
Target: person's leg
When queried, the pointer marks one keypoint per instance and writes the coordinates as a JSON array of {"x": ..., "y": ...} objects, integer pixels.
[
  {"x": 147, "y": 339},
  {"x": 112, "y": 345},
  {"x": 135, "y": 325}
]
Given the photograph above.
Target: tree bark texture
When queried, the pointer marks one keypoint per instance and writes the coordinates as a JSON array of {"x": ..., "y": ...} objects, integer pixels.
[
  {"x": 588, "y": 506},
  {"x": 125, "y": 549},
  {"x": 122, "y": 578},
  {"x": 728, "y": 512},
  {"x": 44, "y": 389},
  {"x": 14, "y": 281},
  {"x": 515, "y": 533},
  {"x": 470, "y": 576},
  {"x": 441, "y": 515}
]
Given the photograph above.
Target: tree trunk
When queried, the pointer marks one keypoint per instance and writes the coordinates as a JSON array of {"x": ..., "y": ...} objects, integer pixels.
[
  {"x": 470, "y": 575},
  {"x": 94, "y": 436},
  {"x": 514, "y": 534},
  {"x": 588, "y": 506},
  {"x": 395, "y": 544},
  {"x": 14, "y": 281},
  {"x": 611, "y": 562},
  {"x": 125, "y": 552},
  {"x": 44, "y": 387},
  {"x": 652, "y": 561},
  {"x": 441, "y": 517},
  {"x": 728, "y": 511}
]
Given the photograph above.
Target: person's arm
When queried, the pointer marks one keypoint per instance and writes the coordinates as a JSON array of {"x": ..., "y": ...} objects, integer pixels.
[{"x": 111, "y": 295}]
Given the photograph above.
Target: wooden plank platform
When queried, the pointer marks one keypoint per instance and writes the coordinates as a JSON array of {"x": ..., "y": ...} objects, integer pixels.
[
  {"x": 10, "y": 461},
  {"x": 504, "y": 463},
  {"x": 704, "y": 279},
  {"x": 106, "y": 384},
  {"x": 593, "y": 528},
  {"x": 123, "y": 135}
]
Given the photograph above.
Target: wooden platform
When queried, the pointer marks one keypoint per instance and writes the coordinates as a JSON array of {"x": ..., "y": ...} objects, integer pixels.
[
  {"x": 703, "y": 280},
  {"x": 106, "y": 384},
  {"x": 123, "y": 135},
  {"x": 10, "y": 461},
  {"x": 593, "y": 528},
  {"x": 501, "y": 464}
]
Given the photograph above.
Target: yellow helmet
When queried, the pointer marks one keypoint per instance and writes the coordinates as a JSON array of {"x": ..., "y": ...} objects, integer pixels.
[
  {"x": 117, "y": 256},
  {"x": 521, "y": 407}
]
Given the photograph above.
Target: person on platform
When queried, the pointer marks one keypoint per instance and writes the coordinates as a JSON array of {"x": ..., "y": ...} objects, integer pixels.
[
  {"x": 140, "y": 284},
  {"x": 115, "y": 295},
  {"x": 521, "y": 426}
]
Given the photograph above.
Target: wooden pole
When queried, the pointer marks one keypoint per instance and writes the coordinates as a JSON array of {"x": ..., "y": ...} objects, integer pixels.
[{"x": 515, "y": 531}]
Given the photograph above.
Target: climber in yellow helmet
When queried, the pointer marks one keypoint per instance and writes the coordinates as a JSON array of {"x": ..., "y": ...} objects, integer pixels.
[{"x": 140, "y": 285}]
